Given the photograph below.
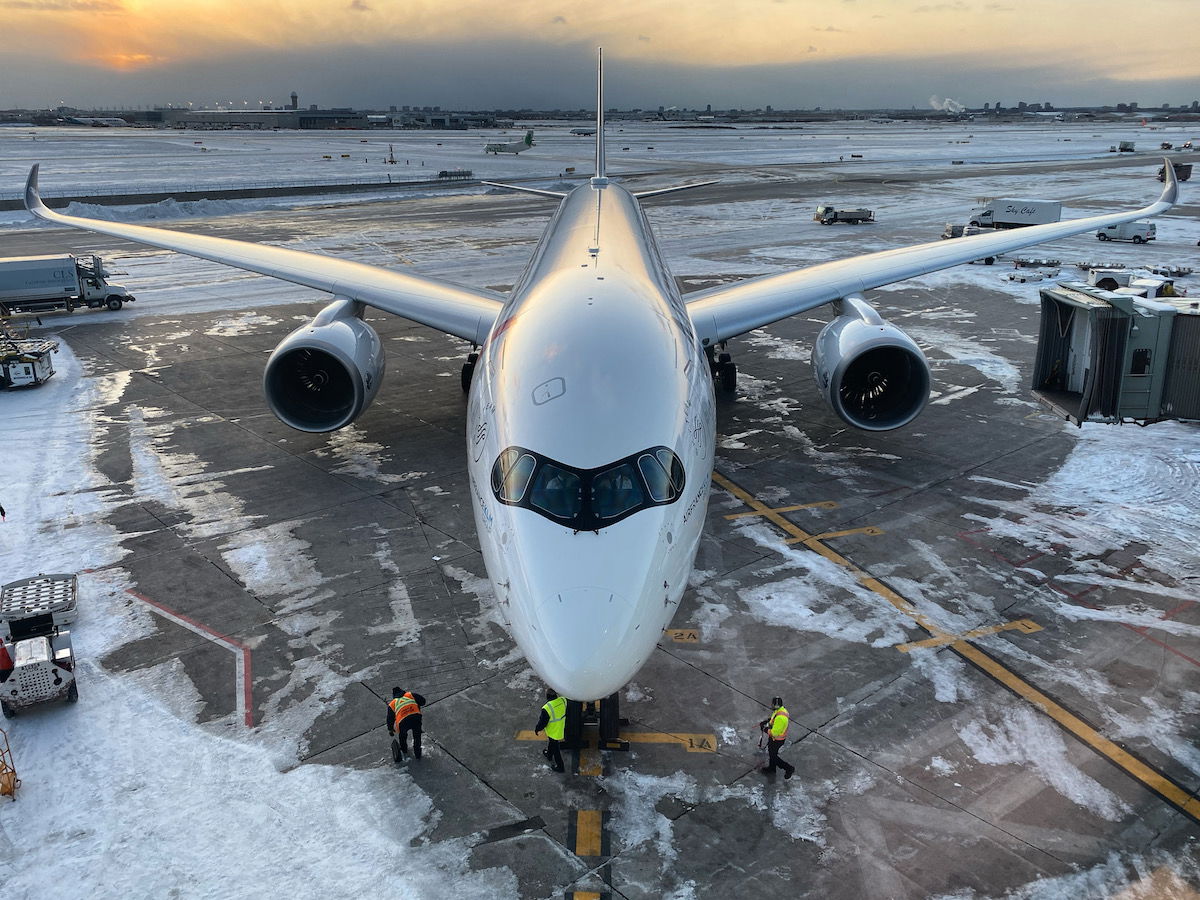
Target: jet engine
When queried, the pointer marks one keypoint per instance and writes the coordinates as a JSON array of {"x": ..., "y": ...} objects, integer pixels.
[
  {"x": 873, "y": 374},
  {"x": 324, "y": 374}
]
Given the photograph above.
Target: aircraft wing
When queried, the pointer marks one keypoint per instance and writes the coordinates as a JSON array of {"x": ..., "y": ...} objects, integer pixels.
[
  {"x": 463, "y": 312},
  {"x": 725, "y": 312}
]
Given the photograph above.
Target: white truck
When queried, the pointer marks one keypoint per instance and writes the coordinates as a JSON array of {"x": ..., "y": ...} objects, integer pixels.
[
  {"x": 37, "y": 664},
  {"x": 1009, "y": 213},
  {"x": 1138, "y": 232},
  {"x": 41, "y": 283}
]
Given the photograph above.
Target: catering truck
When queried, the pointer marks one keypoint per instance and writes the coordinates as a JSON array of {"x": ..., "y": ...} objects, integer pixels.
[
  {"x": 1008, "y": 213},
  {"x": 41, "y": 283}
]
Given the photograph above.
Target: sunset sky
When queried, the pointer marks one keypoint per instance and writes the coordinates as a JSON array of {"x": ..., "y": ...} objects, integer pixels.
[{"x": 476, "y": 54}]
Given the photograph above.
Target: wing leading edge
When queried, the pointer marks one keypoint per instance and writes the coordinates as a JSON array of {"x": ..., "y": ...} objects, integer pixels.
[
  {"x": 463, "y": 312},
  {"x": 725, "y": 312}
]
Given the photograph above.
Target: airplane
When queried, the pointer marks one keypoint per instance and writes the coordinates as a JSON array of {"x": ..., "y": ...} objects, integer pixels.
[
  {"x": 591, "y": 397},
  {"x": 583, "y": 132},
  {"x": 511, "y": 147}
]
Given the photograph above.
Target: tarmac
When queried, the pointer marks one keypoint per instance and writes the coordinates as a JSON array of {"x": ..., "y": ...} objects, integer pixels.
[{"x": 926, "y": 634}]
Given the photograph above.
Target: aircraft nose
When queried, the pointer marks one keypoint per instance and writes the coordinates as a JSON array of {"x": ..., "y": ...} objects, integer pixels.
[{"x": 589, "y": 642}]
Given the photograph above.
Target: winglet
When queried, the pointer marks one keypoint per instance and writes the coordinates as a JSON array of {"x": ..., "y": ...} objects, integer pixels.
[
  {"x": 601, "y": 177},
  {"x": 33, "y": 200},
  {"x": 1170, "y": 192}
]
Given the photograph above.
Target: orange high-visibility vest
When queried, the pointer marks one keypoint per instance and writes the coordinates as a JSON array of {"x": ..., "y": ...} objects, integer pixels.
[
  {"x": 403, "y": 707},
  {"x": 777, "y": 726}
]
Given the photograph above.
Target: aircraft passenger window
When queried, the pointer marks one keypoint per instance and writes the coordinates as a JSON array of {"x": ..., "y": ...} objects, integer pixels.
[
  {"x": 556, "y": 491},
  {"x": 511, "y": 474},
  {"x": 616, "y": 491},
  {"x": 671, "y": 463},
  {"x": 656, "y": 478}
]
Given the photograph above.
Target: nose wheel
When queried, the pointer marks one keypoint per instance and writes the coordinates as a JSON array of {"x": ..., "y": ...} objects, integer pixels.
[{"x": 604, "y": 714}]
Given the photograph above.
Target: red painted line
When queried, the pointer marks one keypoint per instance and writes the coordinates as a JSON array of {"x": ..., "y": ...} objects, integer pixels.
[
  {"x": 186, "y": 618},
  {"x": 1163, "y": 644},
  {"x": 1171, "y": 613},
  {"x": 235, "y": 646}
]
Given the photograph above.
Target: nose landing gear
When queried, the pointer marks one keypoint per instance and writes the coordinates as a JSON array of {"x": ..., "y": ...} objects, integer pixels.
[{"x": 605, "y": 714}]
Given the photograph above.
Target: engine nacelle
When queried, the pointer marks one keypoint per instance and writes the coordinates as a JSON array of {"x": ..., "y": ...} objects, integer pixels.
[
  {"x": 324, "y": 374},
  {"x": 873, "y": 374}
]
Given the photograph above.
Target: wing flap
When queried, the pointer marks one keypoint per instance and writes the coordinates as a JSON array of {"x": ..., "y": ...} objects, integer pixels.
[
  {"x": 725, "y": 312},
  {"x": 463, "y": 312}
]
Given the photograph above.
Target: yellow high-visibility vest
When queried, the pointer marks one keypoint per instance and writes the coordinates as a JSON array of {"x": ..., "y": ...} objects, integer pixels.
[
  {"x": 556, "y": 709},
  {"x": 778, "y": 725}
]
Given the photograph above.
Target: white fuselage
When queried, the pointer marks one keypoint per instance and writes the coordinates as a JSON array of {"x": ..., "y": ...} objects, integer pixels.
[{"x": 592, "y": 360}]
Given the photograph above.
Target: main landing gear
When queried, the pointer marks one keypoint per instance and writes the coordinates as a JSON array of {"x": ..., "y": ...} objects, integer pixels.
[
  {"x": 724, "y": 371},
  {"x": 604, "y": 714},
  {"x": 468, "y": 371}
]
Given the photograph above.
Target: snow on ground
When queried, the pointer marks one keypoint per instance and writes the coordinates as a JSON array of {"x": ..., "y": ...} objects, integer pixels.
[
  {"x": 1153, "y": 876},
  {"x": 1024, "y": 737},
  {"x": 124, "y": 795},
  {"x": 825, "y": 597}
]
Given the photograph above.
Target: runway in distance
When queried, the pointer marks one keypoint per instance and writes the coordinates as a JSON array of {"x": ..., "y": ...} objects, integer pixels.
[
  {"x": 511, "y": 146},
  {"x": 590, "y": 424}
]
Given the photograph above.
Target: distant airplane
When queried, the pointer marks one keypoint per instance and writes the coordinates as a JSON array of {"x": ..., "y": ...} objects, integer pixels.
[
  {"x": 591, "y": 411},
  {"x": 583, "y": 132},
  {"x": 512, "y": 147}
]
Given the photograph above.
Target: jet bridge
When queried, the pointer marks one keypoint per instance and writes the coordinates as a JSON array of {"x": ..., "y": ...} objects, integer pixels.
[{"x": 1117, "y": 356}]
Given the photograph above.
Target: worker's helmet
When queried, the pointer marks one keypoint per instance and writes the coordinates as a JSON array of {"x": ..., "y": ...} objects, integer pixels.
[
  {"x": 776, "y": 702},
  {"x": 396, "y": 692},
  {"x": 551, "y": 694}
]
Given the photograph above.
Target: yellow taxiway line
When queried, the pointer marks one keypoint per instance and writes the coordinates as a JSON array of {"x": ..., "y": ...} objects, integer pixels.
[{"x": 1149, "y": 777}]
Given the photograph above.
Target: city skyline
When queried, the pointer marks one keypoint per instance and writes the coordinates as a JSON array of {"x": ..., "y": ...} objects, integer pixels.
[{"x": 783, "y": 53}]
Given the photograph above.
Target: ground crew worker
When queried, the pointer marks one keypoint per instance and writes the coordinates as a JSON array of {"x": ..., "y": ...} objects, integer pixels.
[
  {"x": 776, "y": 726},
  {"x": 553, "y": 721},
  {"x": 403, "y": 716}
]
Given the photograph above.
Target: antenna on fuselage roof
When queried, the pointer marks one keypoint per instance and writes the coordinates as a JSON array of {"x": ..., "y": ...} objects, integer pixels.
[{"x": 600, "y": 178}]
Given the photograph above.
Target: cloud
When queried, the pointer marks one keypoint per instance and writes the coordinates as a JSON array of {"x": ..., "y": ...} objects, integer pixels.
[
  {"x": 642, "y": 37},
  {"x": 826, "y": 28},
  {"x": 64, "y": 5},
  {"x": 956, "y": 6},
  {"x": 558, "y": 20},
  {"x": 811, "y": 49},
  {"x": 360, "y": 6}
]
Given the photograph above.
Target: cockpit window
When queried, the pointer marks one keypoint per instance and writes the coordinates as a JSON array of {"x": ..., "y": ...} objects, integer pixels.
[
  {"x": 657, "y": 479},
  {"x": 556, "y": 491},
  {"x": 511, "y": 474},
  {"x": 615, "y": 491},
  {"x": 587, "y": 499}
]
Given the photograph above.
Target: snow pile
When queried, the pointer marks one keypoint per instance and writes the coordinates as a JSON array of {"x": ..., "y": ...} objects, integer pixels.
[
  {"x": 124, "y": 795},
  {"x": 1028, "y": 739},
  {"x": 122, "y": 798}
]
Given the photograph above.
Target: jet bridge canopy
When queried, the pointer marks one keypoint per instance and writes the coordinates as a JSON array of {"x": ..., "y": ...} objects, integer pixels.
[{"x": 1115, "y": 356}]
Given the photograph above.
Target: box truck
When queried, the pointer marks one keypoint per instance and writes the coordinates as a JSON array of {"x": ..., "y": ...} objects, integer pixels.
[
  {"x": 1138, "y": 232},
  {"x": 40, "y": 283},
  {"x": 1008, "y": 213}
]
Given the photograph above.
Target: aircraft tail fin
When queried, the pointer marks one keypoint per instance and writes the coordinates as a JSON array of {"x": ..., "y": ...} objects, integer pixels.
[{"x": 601, "y": 174}]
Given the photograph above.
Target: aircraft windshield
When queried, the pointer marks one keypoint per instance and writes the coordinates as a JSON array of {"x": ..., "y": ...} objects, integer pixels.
[{"x": 587, "y": 499}]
